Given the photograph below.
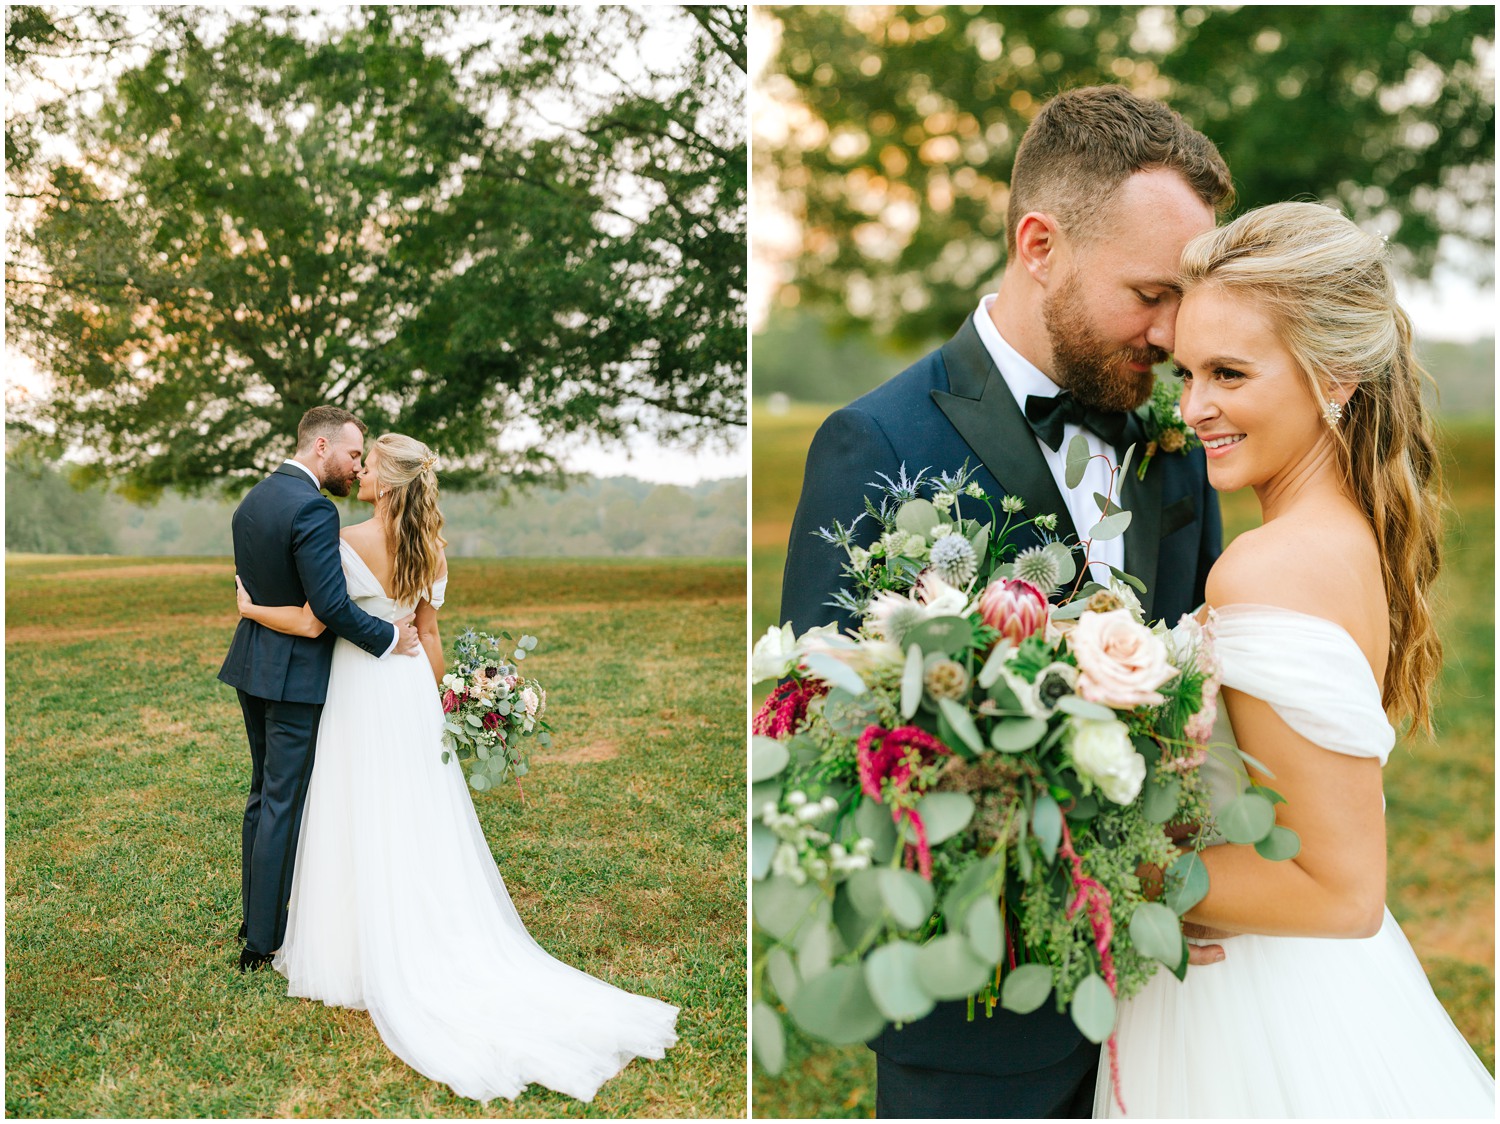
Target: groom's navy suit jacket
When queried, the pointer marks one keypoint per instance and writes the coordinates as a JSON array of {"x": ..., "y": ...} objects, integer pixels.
[
  {"x": 286, "y": 551},
  {"x": 951, "y": 407}
]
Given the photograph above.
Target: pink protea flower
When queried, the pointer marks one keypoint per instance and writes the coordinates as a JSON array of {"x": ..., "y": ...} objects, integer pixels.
[
  {"x": 896, "y": 755},
  {"x": 1014, "y": 607}
]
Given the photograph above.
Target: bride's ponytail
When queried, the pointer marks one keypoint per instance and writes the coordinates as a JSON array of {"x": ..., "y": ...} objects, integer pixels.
[
  {"x": 1328, "y": 288},
  {"x": 406, "y": 474}
]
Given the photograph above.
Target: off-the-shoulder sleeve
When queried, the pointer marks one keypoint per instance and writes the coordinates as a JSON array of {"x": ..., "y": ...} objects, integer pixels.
[
  {"x": 1311, "y": 672},
  {"x": 438, "y": 592}
]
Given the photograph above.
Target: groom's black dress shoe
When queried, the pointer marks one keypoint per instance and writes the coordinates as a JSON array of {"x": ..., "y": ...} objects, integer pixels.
[{"x": 251, "y": 961}]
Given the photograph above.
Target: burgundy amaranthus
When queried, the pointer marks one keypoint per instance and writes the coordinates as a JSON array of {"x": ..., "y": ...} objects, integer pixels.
[
  {"x": 1095, "y": 898},
  {"x": 899, "y": 754},
  {"x": 786, "y": 707}
]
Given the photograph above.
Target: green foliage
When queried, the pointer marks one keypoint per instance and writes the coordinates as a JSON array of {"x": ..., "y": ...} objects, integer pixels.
[
  {"x": 45, "y": 514},
  {"x": 293, "y": 212},
  {"x": 900, "y": 177},
  {"x": 125, "y": 772},
  {"x": 1440, "y": 797}
]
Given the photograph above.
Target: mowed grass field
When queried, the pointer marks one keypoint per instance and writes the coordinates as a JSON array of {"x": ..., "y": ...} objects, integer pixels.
[
  {"x": 126, "y": 771},
  {"x": 1440, "y": 795}
]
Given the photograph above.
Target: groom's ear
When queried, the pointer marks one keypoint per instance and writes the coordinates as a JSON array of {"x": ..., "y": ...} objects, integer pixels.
[{"x": 1037, "y": 241}]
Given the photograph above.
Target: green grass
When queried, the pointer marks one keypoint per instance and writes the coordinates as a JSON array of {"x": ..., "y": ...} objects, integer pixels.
[
  {"x": 1440, "y": 795},
  {"x": 126, "y": 768}
]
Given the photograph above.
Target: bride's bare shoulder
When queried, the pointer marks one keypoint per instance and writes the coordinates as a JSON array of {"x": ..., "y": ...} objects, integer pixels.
[{"x": 1325, "y": 563}]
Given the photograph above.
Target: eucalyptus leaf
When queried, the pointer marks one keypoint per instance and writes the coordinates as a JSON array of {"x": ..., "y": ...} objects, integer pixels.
[
  {"x": 1159, "y": 798},
  {"x": 962, "y": 724},
  {"x": 908, "y": 897},
  {"x": 834, "y": 672},
  {"x": 863, "y": 888},
  {"x": 1156, "y": 932},
  {"x": 1071, "y": 611},
  {"x": 1093, "y": 1008},
  {"x": 855, "y": 928},
  {"x": 1125, "y": 462},
  {"x": 780, "y": 905},
  {"x": 1025, "y": 988},
  {"x": 817, "y": 944},
  {"x": 985, "y": 929},
  {"x": 874, "y": 822},
  {"x": 1270, "y": 794},
  {"x": 911, "y": 682},
  {"x": 446, "y": 756},
  {"x": 1012, "y": 735},
  {"x": 785, "y": 978},
  {"x": 1110, "y": 527},
  {"x": 891, "y": 975},
  {"x": 1077, "y": 461},
  {"x": 1084, "y": 808},
  {"x": 1246, "y": 819},
  {"x": 1046, "y": 825},
  {"x": 1131, "y": 580},
  {"x": 952, "y": 635},
  {"x": 1281, "y": 844},
  {"x": 1067, "y": 566},
  {"x": 1106, "y": 505},
  {"x": 768, "y": 1038},
  {"x": 981, "y": 541},
  {"x": 479, "y": 782},
  {"x": 473, "y": 721},
  {"x": 982, "y": 879},
  {"x": 993, "y": 664},
  {"x": 1254, "y": 764},
  {"x": 762, "y": 850},
  {"x": 763, "y": 793},
  {"x": 1080, "y": 707},
  {"x": 917, "y": 517},
  {"x": 948, "y": 969},
  {"x": 768, "y": 757},
  {"x": 945, "y": 814},
  {"x": 837, "y": 1007},
  {"x": 1187, "y": 883}
]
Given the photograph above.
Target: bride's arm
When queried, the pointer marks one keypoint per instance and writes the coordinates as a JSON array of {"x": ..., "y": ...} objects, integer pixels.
[
  {"x": 1335, "y": 887},
  {"x": 427, "y": 631},
  {"x": 290, "y": 619}
]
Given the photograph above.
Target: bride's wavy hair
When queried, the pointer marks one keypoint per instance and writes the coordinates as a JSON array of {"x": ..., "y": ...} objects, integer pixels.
[
  {"x": 1328, "y": 288},
  {"x": 406, "y": 482}
]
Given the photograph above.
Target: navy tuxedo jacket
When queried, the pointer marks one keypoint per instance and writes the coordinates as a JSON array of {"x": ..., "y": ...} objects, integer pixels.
[
  {"x": 950, "y": 407},
  {"x": 286, "y": 551}
]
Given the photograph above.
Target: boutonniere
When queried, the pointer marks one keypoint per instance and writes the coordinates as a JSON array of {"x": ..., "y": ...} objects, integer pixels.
[{"x": 1165, "y": 430}]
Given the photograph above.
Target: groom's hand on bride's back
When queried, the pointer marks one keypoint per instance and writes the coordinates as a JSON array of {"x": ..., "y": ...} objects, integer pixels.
[{"x": 407, "y": 641}]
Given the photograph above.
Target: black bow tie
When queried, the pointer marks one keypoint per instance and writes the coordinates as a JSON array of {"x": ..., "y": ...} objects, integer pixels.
[{"x": 1047, "y": 416}]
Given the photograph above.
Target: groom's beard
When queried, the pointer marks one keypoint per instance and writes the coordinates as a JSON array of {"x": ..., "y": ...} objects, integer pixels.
[
  {"x": 1093, "y": 371},
  {"x": 337, "y": 485}
]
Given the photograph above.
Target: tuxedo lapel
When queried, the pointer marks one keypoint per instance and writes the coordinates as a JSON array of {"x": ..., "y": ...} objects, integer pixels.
[
  {"x": 284, "y": 469},
  {"x": 1142, "y": 498},
  {"x": 981, "y": 407}
]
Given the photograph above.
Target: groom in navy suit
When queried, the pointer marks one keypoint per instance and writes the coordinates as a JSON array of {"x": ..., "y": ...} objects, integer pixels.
[
  {"x": 1106, "y": 191},
  {"x": 286, "y": 552}
]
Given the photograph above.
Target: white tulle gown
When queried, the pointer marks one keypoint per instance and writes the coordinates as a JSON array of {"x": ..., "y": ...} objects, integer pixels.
[
  {"x": 1297, "y": 1027},
  {"x": 397, "y": 907}
]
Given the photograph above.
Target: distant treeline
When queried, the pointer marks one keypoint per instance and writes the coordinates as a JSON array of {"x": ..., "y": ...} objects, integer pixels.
[
  {"x": 799, "y": 357},
  {"x": 587, "y": 518}
]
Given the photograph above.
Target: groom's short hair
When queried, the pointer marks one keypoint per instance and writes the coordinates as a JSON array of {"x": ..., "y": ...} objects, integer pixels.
[
  {"x": 1084, "y": 143},
  {"x": 324, "y": 421}
]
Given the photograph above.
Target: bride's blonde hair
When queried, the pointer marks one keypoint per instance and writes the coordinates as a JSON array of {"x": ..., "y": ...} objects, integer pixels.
[
  {"x": 406, "y": 482},
  {"x": 1328, "y": 288}
]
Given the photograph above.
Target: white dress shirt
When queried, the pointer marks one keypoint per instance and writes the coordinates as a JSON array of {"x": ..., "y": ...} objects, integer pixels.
[
  {"x": 319, "y": 485},
  {"x": 1025, "y": 380}
]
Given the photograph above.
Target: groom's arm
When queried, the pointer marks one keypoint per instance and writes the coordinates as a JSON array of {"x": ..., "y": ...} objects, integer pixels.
[
  {"x": 848, "y": 450},
  {"x": 315, "y": 547}
]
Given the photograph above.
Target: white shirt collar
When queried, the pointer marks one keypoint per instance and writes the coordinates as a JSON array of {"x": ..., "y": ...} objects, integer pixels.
[
  {"x": 298, "y": 464},
  {"x": 1022, "y": 377}
]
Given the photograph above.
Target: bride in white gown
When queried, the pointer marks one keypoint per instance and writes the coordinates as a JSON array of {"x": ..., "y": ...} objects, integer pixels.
[
  {"x": 396, "y": 905},
  {"x": 1299, "y": 378}
]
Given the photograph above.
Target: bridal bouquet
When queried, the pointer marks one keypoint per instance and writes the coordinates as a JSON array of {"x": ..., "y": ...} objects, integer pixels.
[
  {"x": 968, "y": 797},
  {"x": 490, "y": 711}
]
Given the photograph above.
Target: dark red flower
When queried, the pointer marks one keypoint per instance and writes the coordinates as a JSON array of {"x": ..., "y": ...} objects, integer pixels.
[
  {"x": 895, "y": 755},
  {"x": 490, "y": 720},
  {"x": 784, "y": 710},
  {"x": 450, "y": 702}
]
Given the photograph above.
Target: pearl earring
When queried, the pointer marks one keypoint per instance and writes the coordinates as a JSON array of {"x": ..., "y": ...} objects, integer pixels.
[{"x": 1333, "y": 412}]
